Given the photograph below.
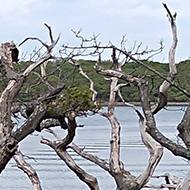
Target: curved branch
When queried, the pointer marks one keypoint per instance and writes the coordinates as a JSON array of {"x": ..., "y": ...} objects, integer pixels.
[
  {"x": 70, "y": 135},
  {"x": 155, "y": 150},
  {"x": 83, "y": 176},
  {"x": 50, "y": 32},
  {"x": 80, "y": 70},
  {"x": 183, "y": 128},
  {"x": 96, "y": 160},
  {"x": 172, "y": 67},
  {"x": 27, "y": 168},
  {"x": 30, "y": 125},
  {"x": 33, "y": 38},
  {"x": 62, "y": 153},
  {"x": 176, "y": 149}
]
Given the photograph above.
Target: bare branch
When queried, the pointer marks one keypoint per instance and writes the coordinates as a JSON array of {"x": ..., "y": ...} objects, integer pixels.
[
  {"x": 169, "y": 179},
  {"x": 114, "y": 161},
  {"x": 62, "y": 143},
  {"x": 183, "y": 128},
  {"x": 176, "y": 149},
  {"x": 62, "y": 153},
  {"x": 185, "y": 184},
  {"x": 84, "y": 176},
  {"x": 154, "y": 148},
  {"x": 50, "y": 33},
  {"x": 100, "y": 162},
  {"x": 36, "y": 64},
  {"x": 48, "y": 47},
  {"x": 54, "y": 134},
  {"x": 169, "y": 13},
  {"x": 33, "y": 38},
  {"x": 27, "y": 168},
  {"x": 43, "y": 80},
  {"x": 94, "y": 92},
  {"x": 170, "y": 187},
  {"x": 172, "y": 67},
  {"x": 30, "y": 125}
]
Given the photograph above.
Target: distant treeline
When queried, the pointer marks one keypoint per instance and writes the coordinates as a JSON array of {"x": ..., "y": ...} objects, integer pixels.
[{"x": 59, "y": 73}]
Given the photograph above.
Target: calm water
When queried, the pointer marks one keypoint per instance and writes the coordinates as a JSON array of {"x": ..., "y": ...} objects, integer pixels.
[{"x": 95, "y": 138}]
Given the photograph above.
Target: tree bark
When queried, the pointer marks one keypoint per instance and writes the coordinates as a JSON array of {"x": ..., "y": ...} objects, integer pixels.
[
  {"x": 184, "y": 128},
  {"x": 185, "y": 184},
  {"x": 60, "y": 147},
  {"x": 31, "y": 173},
  {"x": 155, "y": 150},
  {"x": 8, "y": 142},
  {"x": 163, "y": 90}
]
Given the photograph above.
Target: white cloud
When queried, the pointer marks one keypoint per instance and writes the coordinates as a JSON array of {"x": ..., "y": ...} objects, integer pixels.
[{"x": 141, "y": 20}]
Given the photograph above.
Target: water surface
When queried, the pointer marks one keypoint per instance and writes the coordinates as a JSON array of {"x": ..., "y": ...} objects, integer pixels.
[{"x": 95, "y": 138}]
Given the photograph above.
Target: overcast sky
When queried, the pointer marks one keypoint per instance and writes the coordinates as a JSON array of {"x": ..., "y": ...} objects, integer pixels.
[{"x": 143, "y": 21}]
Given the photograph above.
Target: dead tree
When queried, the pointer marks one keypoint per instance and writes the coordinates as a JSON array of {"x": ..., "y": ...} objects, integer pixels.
[
  {"x": 36, "y": 111},
  {"x": 151, "y": 137},
  {"x": 8, "y": 139}
]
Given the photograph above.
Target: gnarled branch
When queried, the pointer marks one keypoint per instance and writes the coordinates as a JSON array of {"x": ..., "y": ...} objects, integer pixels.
[
  {"x": 27, "y": 168},
  {"x": 60, "y": 148},
  {"x": 172, "y": 67}
]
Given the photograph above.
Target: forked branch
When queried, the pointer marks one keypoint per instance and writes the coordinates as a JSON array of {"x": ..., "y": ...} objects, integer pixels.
[{"x": 60, "y": 146}]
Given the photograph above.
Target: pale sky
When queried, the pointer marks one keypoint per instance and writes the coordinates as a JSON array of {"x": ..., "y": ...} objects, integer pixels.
[{"x": 142, "y": 21}]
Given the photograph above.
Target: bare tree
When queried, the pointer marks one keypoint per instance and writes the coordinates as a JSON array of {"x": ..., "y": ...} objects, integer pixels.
[
  {"x": 9, "y": 138},
  {"x": 151, "y": 137},
  {"x": 56, "y": 106}
]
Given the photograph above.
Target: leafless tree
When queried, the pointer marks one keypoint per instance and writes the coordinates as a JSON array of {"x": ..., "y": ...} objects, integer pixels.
[
  {"x": 38, "y": 110},
  {"x": 9, "y": 137}
]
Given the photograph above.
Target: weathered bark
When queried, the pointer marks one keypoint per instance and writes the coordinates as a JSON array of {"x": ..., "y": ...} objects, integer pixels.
[
  {"x": 114, "y": 161},
  {"x": 185, "y": 184},
  {"x": 184, "y": 128},
  {"x": 96, "y": 160},
  {"x": 31, "y": 173},
  {"x": 128, "y": 181},
  {"x": 84, "y": 176},
  {"x": 123, "y": 179},
  {"x": 8, "y": 142},
  {"x": 171, "y": 182},
  {"x": 43, "y": 70},
  {"x": 176, "y": 149},
  {"x": 163, "y": 90},
  {"x": 60, "y": 147},
  {"x": 155, "y": 150},
  {"x": 31, "y": 123},
  {"x": 115, "y": 73},
  {"x": 81, "y": 72}
]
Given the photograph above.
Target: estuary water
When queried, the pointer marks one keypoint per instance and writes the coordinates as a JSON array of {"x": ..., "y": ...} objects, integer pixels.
[{"x": 94, "y": 136}]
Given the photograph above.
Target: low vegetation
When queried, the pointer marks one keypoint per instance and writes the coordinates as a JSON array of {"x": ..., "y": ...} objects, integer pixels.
[{"x": 64, "y": 72}]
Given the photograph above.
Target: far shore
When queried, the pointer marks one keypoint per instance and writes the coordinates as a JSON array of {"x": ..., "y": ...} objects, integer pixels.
[{"x": 138, "y": 103}]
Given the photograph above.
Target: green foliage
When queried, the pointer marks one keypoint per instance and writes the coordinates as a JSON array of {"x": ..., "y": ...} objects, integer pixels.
[
  {"x": 53, "y": 80},
  {"x": 63, "y": 72},
  {"x": 72, "y": 100}
]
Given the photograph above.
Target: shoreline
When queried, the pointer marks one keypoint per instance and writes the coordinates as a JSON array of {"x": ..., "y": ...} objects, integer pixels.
[{"x": 138, "y": 103}]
